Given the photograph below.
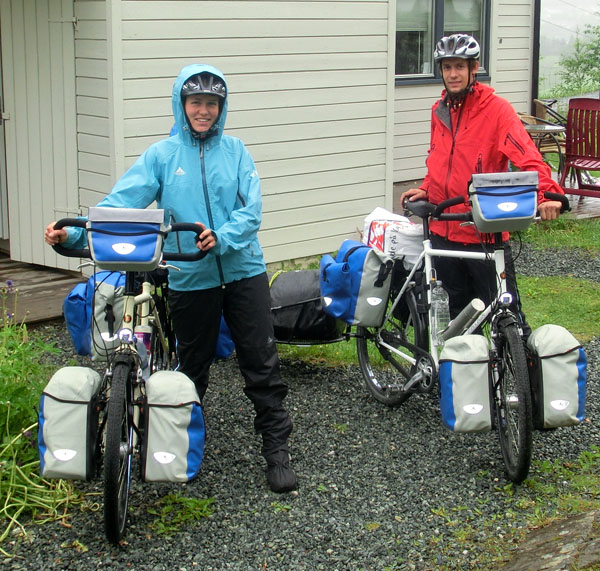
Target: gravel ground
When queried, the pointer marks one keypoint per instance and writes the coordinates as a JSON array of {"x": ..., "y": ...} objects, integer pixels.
[{"x": 370, "y": 479}]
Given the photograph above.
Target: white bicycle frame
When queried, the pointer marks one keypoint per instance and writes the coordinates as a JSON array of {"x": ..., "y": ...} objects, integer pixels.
[{"x": 503, "y": 297}]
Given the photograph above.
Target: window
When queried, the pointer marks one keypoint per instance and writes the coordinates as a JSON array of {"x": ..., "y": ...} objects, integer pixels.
[{"x": 420, "y": 23}]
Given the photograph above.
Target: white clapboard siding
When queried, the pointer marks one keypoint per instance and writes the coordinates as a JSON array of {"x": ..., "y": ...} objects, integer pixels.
[
  {"x": 38, "y": 68},
  {"x": 308, "y": 95}
]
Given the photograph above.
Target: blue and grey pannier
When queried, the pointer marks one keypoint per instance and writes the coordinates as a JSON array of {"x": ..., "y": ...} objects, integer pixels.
[
  {"x": 68, "y": 424},
  {"x": 173, "y": 445},
  {"x": 505, "y": 201},
  {"x": 126, "y": 239},
  {"x": 464, "y": 384},
  {"x": 558, "y": 375},
  {"x": 355, "y": 285}
]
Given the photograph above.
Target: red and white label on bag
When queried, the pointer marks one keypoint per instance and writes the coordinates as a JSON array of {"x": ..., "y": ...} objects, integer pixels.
[{"x": 376, "y": 236}]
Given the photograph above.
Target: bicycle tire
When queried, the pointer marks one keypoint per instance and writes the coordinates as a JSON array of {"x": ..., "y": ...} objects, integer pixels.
[
  {"x": 513, "y": 404},
  {"x": 118, "y": 454},
  {"x": 382, "y": 374}
]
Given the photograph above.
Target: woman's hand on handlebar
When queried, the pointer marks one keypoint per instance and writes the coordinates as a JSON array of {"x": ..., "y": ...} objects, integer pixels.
[
  {"x": 549, "y": 210},
  {"x": 53, "y": 237},
  {"x": 413, "y": 194},
  {"x": 207, "y": 238}
]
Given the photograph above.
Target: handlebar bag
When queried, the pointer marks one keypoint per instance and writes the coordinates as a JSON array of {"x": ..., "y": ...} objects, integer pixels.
[
  {"x": 297, "y": 309},
  {"x": 126, "y": 239},
  {"x": 68, "y": 424},
  {"x": 558, "y": 375},
  {"x": 465, "y": 400},
  {"x": 504, "y": 202},
  {"x": 355, "y": 285},
  {"x": 173, "y": 444}
]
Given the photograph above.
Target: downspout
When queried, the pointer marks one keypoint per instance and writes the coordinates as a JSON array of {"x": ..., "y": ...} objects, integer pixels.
[{"x": 535, "y": 67}]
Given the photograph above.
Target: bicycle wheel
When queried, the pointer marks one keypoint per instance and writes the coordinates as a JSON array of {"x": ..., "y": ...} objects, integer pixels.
[
  {"x": 160, "y": 359},
  {"x": 385, "y": 374},
  {"x": 162, "y": 339},
  {"x": 513, "y": 404},
  {"x": 118, "y": 451}
]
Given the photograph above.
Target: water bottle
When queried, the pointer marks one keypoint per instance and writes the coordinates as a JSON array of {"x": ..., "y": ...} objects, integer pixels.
[{"x": 440, "y": 311}]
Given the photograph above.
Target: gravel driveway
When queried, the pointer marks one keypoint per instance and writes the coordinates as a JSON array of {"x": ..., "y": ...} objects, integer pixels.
[{"x": 375, "y": 482}]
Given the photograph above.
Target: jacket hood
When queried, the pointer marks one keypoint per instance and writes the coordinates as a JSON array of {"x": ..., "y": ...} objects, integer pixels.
[{"x": 183, "y": 127}]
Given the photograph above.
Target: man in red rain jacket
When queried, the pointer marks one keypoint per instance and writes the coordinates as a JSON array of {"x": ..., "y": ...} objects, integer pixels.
[{"x": 473, "y": 131}]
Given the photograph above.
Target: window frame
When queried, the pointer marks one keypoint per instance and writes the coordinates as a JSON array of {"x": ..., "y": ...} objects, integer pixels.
[{"x": 438, "y": 27}]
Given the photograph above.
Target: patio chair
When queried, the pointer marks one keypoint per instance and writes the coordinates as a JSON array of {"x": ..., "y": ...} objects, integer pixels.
[
  {"x": 582, "y": 153},
  {"x": 547, "y": 142}
]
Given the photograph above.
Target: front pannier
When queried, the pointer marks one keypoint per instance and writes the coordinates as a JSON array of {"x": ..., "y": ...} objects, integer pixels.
[
  {"x": 173, "y": 445},
  {"x": 68, "y": 424},
  {"x": 464, "y": 383},
  {"x": 558, "y": 374}
]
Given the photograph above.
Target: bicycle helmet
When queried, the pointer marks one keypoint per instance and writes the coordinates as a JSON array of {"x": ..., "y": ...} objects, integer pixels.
[
  {"x": 461, "y": 46},
  {"x": 204, "y": 83}
]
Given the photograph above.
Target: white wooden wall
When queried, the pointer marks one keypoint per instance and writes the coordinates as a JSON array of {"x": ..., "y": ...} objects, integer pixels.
[
  {"x": 38, "y": 80},
  {"x": 310, "y": 95},
  {"x": 511, "y": 52}
]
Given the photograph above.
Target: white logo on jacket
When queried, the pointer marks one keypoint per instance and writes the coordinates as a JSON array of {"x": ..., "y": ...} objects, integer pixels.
[{"x": 179, "y": 172}]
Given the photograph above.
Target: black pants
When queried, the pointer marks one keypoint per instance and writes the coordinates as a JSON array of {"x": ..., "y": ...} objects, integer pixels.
[
  {"x": 246, "y": 305},
  {"x": 466, "y": 279}
]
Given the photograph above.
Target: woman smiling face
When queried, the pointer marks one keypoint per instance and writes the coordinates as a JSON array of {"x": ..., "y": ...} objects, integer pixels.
[{"x": 202, "y": 110}]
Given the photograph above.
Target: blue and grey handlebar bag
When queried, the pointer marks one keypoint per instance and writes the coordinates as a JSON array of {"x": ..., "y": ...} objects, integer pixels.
[{"x": 355, "y": 285}]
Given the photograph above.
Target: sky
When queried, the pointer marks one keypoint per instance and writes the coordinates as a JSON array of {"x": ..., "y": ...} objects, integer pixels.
[{"x": 562, "y": 18}]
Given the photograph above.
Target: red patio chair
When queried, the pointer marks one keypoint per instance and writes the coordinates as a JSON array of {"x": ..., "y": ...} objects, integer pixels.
[{"x": 582, "y": 148}]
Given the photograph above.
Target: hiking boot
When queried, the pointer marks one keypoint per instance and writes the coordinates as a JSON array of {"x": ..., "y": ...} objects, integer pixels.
[{"x": 280, "y": 475}]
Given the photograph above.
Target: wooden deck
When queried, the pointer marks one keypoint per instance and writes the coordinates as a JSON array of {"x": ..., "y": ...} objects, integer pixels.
[
  {"x": 37, "y": 293},
  {"x": 33, "y": 293}
]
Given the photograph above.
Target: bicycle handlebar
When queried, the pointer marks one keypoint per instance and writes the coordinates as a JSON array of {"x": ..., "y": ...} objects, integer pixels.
[
  {"x": 425, "y": 209},
  {"x": 167, "y": 256}
]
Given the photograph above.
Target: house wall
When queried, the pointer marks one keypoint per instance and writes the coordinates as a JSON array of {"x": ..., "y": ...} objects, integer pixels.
[
  {"x": 310, "y": 94},
  {"x": 39, "y": 124},
  {"x": 309, "y": 86},
  {"x": 511, "y": 52}
]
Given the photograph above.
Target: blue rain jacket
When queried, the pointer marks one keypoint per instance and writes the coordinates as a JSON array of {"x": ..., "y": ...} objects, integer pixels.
[{"x": 213, "y": 181}]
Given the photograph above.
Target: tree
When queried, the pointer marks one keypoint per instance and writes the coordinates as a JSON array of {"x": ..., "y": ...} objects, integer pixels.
[{"x": 580, "y": 70}]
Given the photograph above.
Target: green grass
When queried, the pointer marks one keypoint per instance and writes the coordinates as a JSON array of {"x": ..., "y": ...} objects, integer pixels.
[
  {"x": 565, "y": 233},
  {"x": 567, "y": 301},
  {"x": 553, "y": 491}
]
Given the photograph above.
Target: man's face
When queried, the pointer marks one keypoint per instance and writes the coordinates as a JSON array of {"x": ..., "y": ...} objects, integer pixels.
[
  {"x": 457, "y": 75},
  {"x": 202, "y": 111}
]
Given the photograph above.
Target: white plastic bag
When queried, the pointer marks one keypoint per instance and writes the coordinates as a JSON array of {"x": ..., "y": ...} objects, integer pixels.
[{"x": 395, "y": 235}]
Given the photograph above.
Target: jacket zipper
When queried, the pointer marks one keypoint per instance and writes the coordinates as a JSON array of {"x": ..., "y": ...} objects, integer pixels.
[
  {"x": 510, "y": 138},
  {"x": 451, "y": 156},
  {"x": 210, "y": 216}
]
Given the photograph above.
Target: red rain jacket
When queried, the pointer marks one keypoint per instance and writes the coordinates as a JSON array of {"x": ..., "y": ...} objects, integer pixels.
[{"x": 481, "y": 136}]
